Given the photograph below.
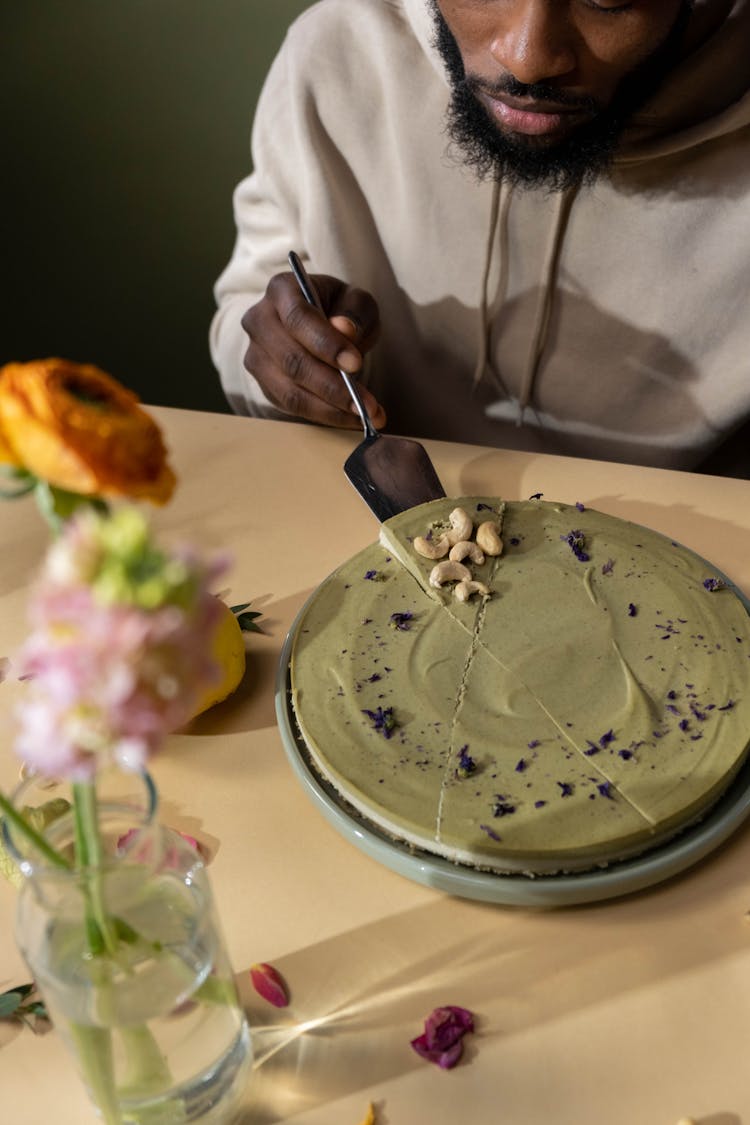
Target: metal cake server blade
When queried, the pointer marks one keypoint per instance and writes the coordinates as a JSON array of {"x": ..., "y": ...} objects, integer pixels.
[{"x": 390, "y": 473}]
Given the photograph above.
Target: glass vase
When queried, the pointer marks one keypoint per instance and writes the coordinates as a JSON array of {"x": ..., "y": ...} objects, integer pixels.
[{"x": 129, "y": 958}]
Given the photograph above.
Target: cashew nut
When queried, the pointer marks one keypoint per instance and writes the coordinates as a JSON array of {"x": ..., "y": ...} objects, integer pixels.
[
  {"x": 466, "y": 588},
  {"x": 432, "y": 548},
  {"x": 449, "y": 572},
  {"x": 488, "y": 538},
  {"x": 461, "y": 526},
  {"x": 459, "y": 551}
]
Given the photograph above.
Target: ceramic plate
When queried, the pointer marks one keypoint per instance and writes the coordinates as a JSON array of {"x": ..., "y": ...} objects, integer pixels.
[
  {"x": 624, "y": 877},
  {"x": 621, "y": 878}
]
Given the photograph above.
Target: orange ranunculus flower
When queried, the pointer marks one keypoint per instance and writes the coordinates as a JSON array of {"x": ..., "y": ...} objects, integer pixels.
[
  {"x": 77, "y": 428},
  {"x": 7, "y": 456}
]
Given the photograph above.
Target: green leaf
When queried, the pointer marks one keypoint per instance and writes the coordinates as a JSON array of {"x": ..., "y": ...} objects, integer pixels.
[
  {"x": 246, "y": 622},
  {"x": 10, "y": 1002},
  {"x": 16, "y": 493},
  {"x": 16, "y": 472},
  {"x": 57, "y": 505},
  {"x": 37, "y": 1008},
  {"x": 31, "y": 822},
  {"x": 22, "y": 479}
]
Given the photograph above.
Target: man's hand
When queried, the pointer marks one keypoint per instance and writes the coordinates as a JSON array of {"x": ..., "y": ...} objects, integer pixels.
[{"x": 294, "y": 351}]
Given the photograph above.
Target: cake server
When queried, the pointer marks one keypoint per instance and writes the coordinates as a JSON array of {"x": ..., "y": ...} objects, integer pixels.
[{"x": 390, "y": 473}]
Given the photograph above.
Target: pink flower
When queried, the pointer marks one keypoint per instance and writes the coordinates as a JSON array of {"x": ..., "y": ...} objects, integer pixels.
[{"x": 118, "y": 653}]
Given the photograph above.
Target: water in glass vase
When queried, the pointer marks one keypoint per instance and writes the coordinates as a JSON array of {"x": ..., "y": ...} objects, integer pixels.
[{"x": 154, "y": 1023}]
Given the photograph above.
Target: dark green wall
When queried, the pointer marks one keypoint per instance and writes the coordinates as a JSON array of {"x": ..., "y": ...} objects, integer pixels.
[{"x": 125, "y": 128}]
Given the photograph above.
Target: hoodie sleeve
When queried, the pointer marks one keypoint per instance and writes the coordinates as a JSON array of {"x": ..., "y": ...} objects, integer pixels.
[{"x": 266, "y": 214}]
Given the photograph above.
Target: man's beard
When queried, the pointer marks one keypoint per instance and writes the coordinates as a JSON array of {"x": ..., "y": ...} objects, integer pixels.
[{"x": 580, "y": 157}]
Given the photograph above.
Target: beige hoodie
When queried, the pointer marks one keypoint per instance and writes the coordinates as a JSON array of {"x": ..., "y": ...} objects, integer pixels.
[{"x": 609, "y": 322}]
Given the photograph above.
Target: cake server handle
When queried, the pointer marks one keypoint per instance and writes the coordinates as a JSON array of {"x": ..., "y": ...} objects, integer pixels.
[{"x": 310, "y": 293}]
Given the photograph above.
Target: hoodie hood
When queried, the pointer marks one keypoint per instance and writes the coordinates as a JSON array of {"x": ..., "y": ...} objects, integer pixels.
[{"x": 707, "y": 95}]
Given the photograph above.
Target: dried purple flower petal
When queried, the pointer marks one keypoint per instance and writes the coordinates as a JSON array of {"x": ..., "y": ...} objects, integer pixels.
[
  {"x": 442, "y": 1039},
  {"x": 714, "y": 583},
  {"x": 604, "y": 788},
  {"x": 370, "y": 574},
  {"x": 576, "y": 540},
  {"x": 490, "y": 832},
  {"x": 401, "y": 620},
  {"x": 382, "y": 719},
  {"x": 606, "y": 739},
  {"x": 607, "y": 567},
  {"x": 580, "y": 506},
  {"x": 466, "y": 764},
  {"x": 502, "y": 807},
  {"x": 536, "y": 496},
  {"x": 446, "y": 1024},
  {"x": 444, "y": 1059},
  {"x": 521, "y": 765},
  {"x": 566, "y": 789},
  {"x": 632, "y": 611}
]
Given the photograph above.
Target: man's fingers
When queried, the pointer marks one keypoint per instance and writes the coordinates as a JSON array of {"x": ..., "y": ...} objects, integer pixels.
[
  {"x": 296, "y": 352},
  {"x": 300, "y": 398}
]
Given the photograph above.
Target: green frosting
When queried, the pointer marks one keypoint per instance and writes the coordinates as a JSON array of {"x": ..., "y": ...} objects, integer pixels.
[{"x": 600, "y": 696}]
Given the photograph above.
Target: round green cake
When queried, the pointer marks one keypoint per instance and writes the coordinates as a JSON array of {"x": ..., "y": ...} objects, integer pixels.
[{"x": 592, "y": 704}]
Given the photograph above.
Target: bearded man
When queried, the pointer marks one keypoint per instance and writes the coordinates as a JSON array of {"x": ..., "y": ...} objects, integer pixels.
[{"x": 528, "y": 221}]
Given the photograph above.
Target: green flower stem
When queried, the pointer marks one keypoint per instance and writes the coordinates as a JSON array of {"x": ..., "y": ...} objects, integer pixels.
[
  {"x": 14, "y": 817},
  {"x": 216, "y": 990},
  {"x": 147, "y": 1072},
  {"x": 94, "y": 1050},
  {"x": 89, "y": 855}
]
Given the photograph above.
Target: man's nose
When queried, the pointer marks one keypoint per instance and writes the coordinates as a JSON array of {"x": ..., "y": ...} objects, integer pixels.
[{"x": 534, "y": 41}]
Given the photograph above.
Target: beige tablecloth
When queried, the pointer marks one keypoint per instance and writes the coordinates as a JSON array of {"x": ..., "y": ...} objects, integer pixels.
[{"x": 630, "y": 1012}]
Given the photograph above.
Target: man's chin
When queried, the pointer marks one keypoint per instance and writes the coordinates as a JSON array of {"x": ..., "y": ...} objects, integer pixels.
[{"x": 548, "y": 161}]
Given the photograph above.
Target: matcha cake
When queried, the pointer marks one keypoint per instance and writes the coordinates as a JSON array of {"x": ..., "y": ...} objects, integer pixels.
[{"x": 524, "y": 686}]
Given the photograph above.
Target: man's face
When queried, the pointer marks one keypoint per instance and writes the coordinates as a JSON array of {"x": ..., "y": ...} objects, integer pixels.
[{"x": 541, "y": 89}]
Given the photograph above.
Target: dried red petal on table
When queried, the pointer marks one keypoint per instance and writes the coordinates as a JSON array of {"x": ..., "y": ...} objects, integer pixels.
[{"x": 269, "y": 983}]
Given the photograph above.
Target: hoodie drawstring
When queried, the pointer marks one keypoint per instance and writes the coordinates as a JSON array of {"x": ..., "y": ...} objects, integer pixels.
[
  {"x": 546, "y": 299},
  {"x": 499, "y": 206},
  {"x": 498, "y": 236}
]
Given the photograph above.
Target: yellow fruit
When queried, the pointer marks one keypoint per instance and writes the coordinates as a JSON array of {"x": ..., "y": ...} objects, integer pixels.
[{"x": 228, "y": 651}]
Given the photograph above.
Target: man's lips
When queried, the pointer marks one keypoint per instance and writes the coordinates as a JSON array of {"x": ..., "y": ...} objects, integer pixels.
[{"x": 535, "y": 119}]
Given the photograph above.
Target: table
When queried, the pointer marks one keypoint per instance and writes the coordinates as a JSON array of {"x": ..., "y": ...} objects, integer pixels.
[{"x": 630, "y": 1012}]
